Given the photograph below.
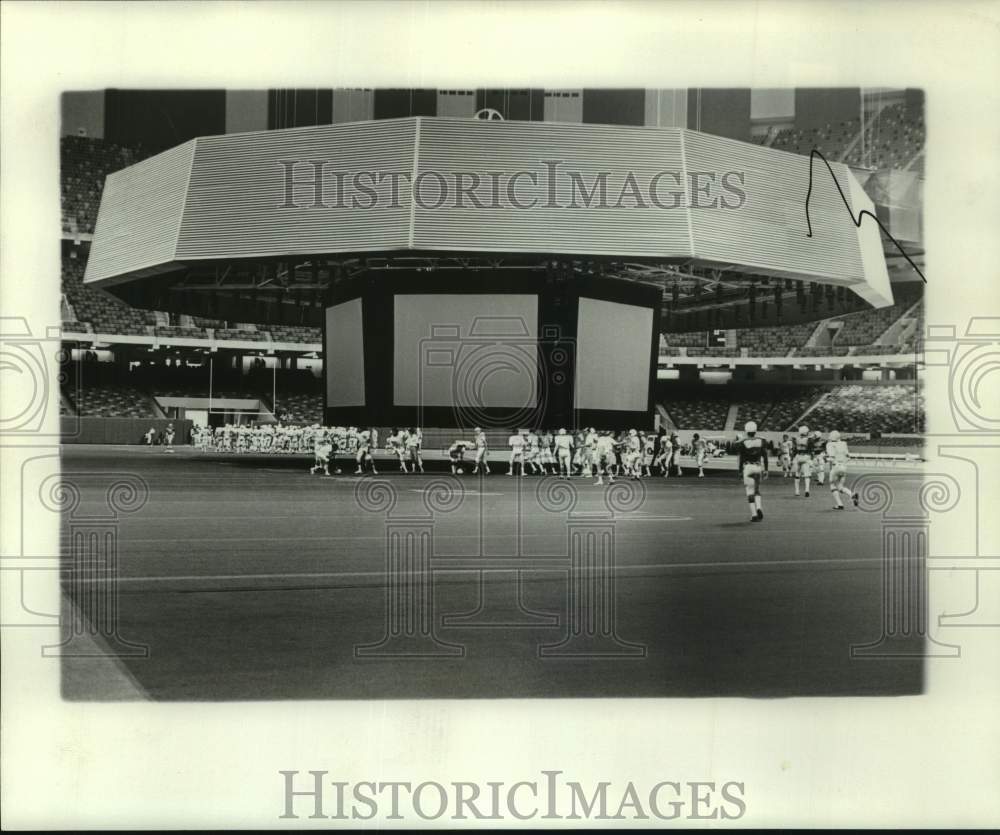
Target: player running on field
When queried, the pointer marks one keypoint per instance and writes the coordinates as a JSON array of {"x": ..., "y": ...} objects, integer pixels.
[
  {"x": 660, "y": 459},
  {"x": 786, "y": 450},
  {"x": 531, "y": 452},
  {"x": 819, "y": 457},
  {"x": 838, "y": 455},
  {"x": 414, "y": 440},
  {"x": 752, "y": 467},
  {"x": 648, "y": 453},
  {"x": 578, "y": 453},
  {"x": 516, "y": 444},
  {"x": 605, "y": 452},
  {"x": 802, "y": 462},
  {"x": 396, "y": 444},
  {"x": 633, "y": 454},
  {"x": 698, "y": 449},
  {"x": 564, "y": 454},
  {"x": 589, "y": 452},
  {"x": 675, "y": 454},
  {"x": 322, "y": 449},
  {"x": 482, "y": 453},
  {"x": 364, "y": 457},
  {"x": 546, "y": 456}
]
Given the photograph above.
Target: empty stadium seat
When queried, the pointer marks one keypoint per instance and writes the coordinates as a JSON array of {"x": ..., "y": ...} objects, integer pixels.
[
  {"x": 295, "y": 333},
  {"x": 857, "y": 408},
  {"x": 85, "y": 163},
  {"x": 236, "y": 334},
  {"x": 789, "y": 404},
  {"x": 103, "y": 311},
  {"x": 831, "y": 140},
  {"x": 184, "y": 333},
  {"x": 892, "y": 139},
  {"x": 704, "y": 407},
  {"x": 112, "y": 401},
  {"x": 693, "y": 339},
  {"x": 300, "y": 408},
  {"x": 774, "y": 341},
  {"x": 864, "y": 327}
]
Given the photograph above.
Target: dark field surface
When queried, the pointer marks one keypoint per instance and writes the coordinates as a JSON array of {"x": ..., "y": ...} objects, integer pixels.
[{"x": 249, "y": 579}]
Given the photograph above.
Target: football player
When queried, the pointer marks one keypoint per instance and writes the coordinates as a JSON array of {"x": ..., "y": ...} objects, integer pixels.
[
  {"x": 752, "y": 467},
  {"x": 802, "y": 462},
  {"x": 837, "y": 454},
  {"x": 482, "y": 453}
]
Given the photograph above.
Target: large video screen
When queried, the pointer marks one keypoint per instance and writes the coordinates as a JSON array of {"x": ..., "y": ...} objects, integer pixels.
[
  {"x": 466, "y": 350},
  {"x": 344, "y": 355},
  {"x": 613, "y": 356}
]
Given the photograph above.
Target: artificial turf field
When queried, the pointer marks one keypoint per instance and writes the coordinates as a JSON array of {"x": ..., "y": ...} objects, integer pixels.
[{"x": 249, "y": 579}]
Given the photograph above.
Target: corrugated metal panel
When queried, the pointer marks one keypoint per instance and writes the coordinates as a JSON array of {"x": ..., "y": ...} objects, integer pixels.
[
  {"x": 236, "y": 195},
  {"x": 449, "y": 146},
  {"x": 140, "y": 214},
  {"x": 237, "y": 192},
  {"x": 769, "y": 231}
]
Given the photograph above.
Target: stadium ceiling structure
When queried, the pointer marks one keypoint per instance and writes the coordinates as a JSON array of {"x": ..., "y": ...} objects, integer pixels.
[{"x": 296, "y": 210}]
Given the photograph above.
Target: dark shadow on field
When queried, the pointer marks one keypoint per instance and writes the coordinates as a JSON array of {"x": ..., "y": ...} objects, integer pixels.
[{"x": 750, "y": 634}]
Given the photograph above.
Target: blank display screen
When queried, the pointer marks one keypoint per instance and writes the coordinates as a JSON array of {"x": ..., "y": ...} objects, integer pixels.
[
  {"x": 466, "y": 350},
  {"x": 613, "y": 356},
  {"x": 344, "y": 355}
]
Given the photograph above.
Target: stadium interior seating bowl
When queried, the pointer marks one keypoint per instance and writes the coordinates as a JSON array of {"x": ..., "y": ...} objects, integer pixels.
[{"x": 893, "y": 139}]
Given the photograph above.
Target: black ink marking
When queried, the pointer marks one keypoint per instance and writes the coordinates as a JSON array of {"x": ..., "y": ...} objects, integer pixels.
[{"x": 856, "y": 220}]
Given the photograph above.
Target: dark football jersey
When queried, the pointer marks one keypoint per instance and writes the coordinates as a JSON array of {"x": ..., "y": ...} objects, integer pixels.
[{"x": 752, "y": 451}]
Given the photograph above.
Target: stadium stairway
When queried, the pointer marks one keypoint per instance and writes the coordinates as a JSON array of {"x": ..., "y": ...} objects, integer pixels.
[
  {"x": 901, "y": 328},
  {"x": 154, "y": 403},
  {"x": 818, "y": 332},
  {"x": 266, "y": 409},
  {"x": 734, "y": 411},
  {"x": 810, "y": 408},
  {"x": 665, "y": 418},
  {"x": 669, "y": 422},
  {"x": 851, "y": 145},
  {"x": 66, "y": 406}
]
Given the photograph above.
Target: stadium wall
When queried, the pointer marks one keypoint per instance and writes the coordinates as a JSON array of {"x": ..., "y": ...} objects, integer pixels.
[{"x": 104, "y": 430}]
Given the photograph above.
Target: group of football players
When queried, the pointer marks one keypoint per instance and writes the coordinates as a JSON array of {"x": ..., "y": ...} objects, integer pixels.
[
  {"x": 322, "y": 441},
  {"x": 586, "y": 453},
  {"x": 259, "y": 438},
  {"x": 801, "y": 457}
]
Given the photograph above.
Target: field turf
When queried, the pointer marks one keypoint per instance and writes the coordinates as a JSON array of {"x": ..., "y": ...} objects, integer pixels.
[{"x": 249, "y": 579}]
